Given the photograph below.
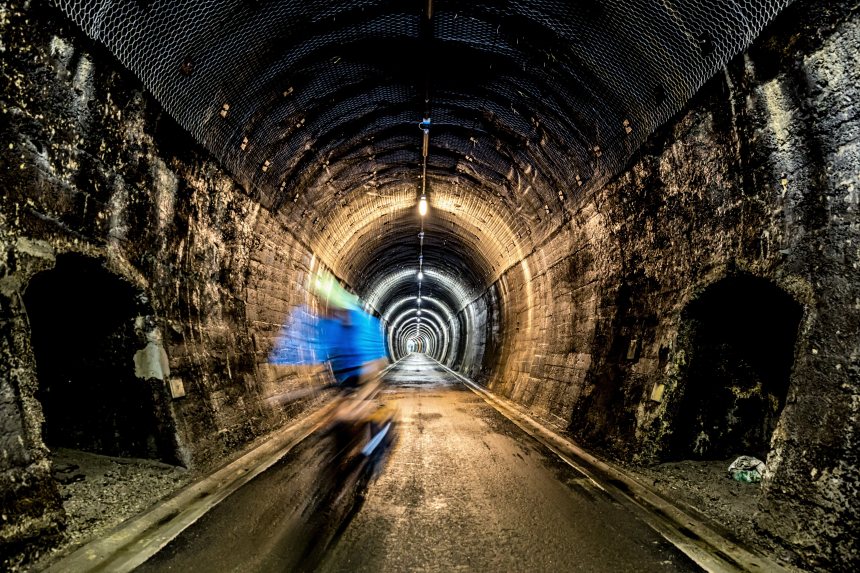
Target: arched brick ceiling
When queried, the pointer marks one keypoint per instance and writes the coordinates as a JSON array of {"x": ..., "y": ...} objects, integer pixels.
[
  {"x": 396, "y": 285},
  {"x": 314, "y": 104},
  {"x": 461, "y": 223}
]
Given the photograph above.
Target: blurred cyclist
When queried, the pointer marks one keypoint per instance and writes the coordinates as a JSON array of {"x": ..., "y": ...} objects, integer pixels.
[
  {"x": 338, "y": 332},
  {"x": 351, "y": 341}
]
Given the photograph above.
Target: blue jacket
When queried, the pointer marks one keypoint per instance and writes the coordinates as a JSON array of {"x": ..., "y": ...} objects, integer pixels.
[{"x": 347, "y": 342}]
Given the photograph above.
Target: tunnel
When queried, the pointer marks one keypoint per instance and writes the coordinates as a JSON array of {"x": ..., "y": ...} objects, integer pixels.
[{"x": 630, "y": 229}]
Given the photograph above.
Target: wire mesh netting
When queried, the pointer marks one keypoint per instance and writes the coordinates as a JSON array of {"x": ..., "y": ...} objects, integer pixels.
[{"x": 559, "y": 93}]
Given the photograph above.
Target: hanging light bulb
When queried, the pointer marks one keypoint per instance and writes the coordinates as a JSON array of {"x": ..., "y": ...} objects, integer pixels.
[
  {"x": 422, "y": 206},
  {"x": 420, "y": 275}
]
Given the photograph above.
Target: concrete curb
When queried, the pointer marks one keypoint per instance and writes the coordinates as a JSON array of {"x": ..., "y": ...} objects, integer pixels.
[
  {"x": 136, "y": 540},
  {"x": 696, "y": 539}
]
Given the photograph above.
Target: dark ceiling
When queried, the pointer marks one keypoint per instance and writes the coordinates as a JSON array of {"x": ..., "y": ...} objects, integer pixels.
[{"x": 316, "y": 104}]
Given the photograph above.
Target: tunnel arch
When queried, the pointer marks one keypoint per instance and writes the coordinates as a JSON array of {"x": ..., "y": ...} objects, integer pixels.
[
  {"x": 396, "y": 297},
  {"x": 88, "y": 327},
  {"x": 466, "y": 236},
  {"x": 419, "y": 339},
  {"x": 443, "y": 343},
  {"x": 738, "y": 338},
  {"x": 530, "y": 106},
  {"x": 400, "y": 327},
  {"x": 404, "y": 282},
  {"x": 559, "y": 94},
  {"x": 443, "y": 315},
  {"x": 424, "y": 300}
]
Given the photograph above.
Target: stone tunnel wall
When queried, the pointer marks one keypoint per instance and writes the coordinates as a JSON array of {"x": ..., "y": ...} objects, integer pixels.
[
  {"x": 90, "y": 165},
  {"x": 759, "y": 176}
]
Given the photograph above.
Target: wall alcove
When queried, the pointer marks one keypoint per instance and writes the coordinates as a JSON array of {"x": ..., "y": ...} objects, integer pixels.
[
  {"x": 82, "y": 322},
  {"x": 739, "y": 339}
]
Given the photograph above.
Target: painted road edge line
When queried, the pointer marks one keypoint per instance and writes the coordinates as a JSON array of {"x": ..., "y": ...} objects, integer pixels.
[
  {"x": 131, "y": 543},
  {"x": 713, "y": 552}
]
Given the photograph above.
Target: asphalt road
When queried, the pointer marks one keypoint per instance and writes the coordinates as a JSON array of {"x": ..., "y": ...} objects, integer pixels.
[{"x": 461, "y": 489}]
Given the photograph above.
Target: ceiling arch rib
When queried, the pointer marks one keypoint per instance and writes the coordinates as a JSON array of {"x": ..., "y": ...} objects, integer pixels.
[
  {"x": 464, "y": 235},
  {"x": 411, "y": 318},
  {"x": 455, "y": 294},
  {"x": 413, "y": 324},
  {"x": 413, "y": 329},
  {"x": 393, "y": 306}
]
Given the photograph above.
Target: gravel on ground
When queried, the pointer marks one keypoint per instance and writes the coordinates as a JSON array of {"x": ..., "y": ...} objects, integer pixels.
[
  {"x": 707, "y": 487},
  {"x": 99, "y": 492}
]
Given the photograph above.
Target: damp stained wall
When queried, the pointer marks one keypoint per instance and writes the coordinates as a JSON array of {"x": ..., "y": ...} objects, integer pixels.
[
  {"x": 90, "y": 165},
  {"x": 759, "y": 175}
]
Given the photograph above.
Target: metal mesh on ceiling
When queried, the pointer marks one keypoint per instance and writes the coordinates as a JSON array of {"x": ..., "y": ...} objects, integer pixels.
[{"x": 283, "y": 90}]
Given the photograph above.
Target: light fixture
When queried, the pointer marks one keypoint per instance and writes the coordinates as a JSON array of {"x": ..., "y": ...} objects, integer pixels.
[
  {"x": 420, "y": 275},
  {"x": 422, "y": 206}
]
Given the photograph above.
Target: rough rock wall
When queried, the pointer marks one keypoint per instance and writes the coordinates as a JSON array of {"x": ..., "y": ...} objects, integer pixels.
[
  {"x": 89, "y": 165},
  {"x": 758, "y": 177}
]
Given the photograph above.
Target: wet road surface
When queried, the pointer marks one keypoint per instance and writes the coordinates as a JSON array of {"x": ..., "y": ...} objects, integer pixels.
[{"x": 463, "y": 488}]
